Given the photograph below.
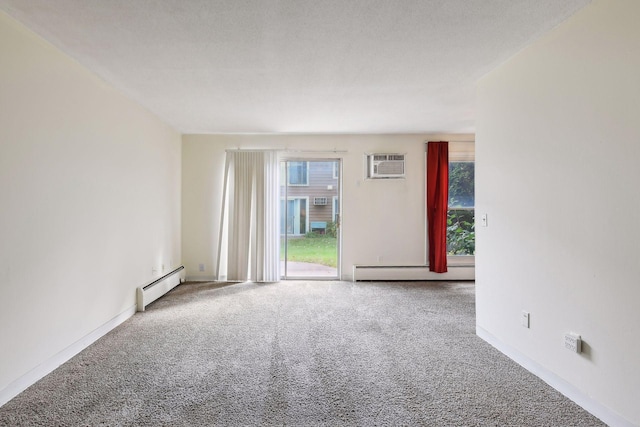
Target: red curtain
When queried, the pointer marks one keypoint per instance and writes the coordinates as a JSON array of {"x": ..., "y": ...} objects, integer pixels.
[{"x": 437, "y": 200}]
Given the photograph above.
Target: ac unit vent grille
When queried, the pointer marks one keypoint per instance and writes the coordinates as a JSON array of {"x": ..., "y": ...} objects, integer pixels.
[
  {"x": 320, "y": 201},
  {"x": 389, "y": 168}
]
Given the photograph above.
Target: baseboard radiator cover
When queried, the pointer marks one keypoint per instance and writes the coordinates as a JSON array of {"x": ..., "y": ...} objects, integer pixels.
[
  {"x": 147, "y": 294},
  {"x": 411, "y": 272}
]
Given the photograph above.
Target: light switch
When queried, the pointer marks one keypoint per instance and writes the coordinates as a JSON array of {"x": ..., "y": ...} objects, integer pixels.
[{"x": 524, "y": 319}]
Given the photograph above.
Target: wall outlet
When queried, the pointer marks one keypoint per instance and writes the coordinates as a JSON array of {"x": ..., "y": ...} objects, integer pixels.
[
  {"x": 573, "y": 342},
  {"x": 201, "y": 267},
  {"x": 524, "y": 319}
]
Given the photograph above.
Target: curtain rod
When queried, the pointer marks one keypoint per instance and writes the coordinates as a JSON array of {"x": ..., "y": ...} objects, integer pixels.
[
  {"x": 286, "y": 150},
  {"x": 314, "y": 151},
  {"x": 457, "y": 142}
]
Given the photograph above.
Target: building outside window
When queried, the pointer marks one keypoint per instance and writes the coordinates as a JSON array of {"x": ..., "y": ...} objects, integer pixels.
[{"x": 298, "y": 173}]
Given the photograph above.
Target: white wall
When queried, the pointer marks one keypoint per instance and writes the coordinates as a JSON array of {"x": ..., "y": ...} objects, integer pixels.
[
  {"x": 90, "y": 201},
  {"x": 381, "y": 219},
  {"x": 557, "y": 151}
]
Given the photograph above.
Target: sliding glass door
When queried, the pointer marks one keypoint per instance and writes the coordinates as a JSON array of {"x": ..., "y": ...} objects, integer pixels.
[{"x": 310, "y": 219}]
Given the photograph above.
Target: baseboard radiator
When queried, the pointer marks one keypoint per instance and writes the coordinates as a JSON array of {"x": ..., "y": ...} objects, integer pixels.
[
  {"x": 410, "y": 272},
  {"x": 154, "y": 290}
]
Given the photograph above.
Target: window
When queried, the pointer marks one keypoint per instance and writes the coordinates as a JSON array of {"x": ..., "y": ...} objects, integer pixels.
[
  {"x": 298, "y": 173},
  {"x": 461, "y": 237}
]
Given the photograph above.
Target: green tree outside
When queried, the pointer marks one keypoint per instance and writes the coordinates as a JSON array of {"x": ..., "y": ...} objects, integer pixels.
[{"x": 461, "y": 236}]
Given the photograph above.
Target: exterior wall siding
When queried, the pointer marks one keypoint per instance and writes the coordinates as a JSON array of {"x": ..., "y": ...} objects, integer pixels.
[{"x": 322, "y": 183}]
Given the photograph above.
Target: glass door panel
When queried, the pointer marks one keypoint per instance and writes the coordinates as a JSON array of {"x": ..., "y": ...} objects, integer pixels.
[{"x": 309, "y": 219}]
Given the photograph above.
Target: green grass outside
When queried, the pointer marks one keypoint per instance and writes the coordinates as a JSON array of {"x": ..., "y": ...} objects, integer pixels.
[{"x": 318, "y": 249}]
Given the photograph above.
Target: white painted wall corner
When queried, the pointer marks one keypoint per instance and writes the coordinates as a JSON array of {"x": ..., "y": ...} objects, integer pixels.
[{"x": 49, "y": 365}]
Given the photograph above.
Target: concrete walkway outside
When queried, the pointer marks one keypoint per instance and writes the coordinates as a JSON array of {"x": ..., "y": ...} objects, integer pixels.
[{"x": 307, "y": 269}]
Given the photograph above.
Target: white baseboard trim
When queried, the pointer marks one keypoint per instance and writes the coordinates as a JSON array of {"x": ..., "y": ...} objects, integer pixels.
[
  {"x": 200, "y": 279},
  {"x": 411, "y": 272},
  {"x": 597, "y": 409},
  {"x": 19, "y": 385}
]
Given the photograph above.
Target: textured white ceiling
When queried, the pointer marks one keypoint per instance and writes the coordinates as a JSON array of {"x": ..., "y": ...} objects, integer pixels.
[{"x": 311, "y": 66}]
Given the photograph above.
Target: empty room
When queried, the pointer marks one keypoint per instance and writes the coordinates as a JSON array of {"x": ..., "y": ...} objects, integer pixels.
[{"x": 319, "y": 213}]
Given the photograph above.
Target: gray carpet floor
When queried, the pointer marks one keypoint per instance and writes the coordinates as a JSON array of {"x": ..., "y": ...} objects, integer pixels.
[{"x": 296, "y": 353}]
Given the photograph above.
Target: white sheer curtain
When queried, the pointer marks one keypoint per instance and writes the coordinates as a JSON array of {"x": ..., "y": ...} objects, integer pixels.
[{"x": 249, "y": 245}]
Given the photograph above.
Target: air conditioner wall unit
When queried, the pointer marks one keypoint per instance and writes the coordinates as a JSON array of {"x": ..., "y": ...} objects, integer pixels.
[
  {"x": 385, "y": 165},
  {"x": 320, "y": 201}
]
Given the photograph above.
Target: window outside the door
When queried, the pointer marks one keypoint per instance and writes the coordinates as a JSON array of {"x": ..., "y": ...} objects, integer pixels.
[{"x": 298, "y": 173}]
